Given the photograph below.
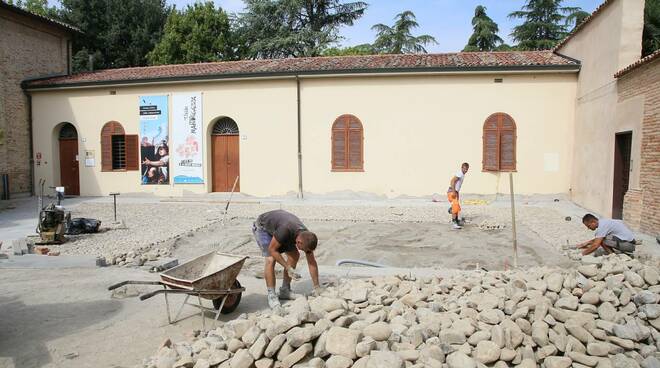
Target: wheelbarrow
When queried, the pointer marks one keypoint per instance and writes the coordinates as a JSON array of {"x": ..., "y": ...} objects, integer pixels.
[{"x": 211, "y": 276}]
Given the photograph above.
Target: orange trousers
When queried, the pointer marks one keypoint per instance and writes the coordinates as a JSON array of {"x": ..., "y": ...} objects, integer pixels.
[{"x": 455, "y": 206}]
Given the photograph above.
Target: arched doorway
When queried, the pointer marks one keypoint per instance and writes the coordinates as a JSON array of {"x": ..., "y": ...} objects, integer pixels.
[
  {"x": 225, "y": 155},
  {"x": 69, "y": 168}
]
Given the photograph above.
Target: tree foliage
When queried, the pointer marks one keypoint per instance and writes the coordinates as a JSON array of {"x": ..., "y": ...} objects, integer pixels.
[
  {"x": 363, "y": 49},
  {"x": 116, "y": 33},
  {"x": 398, "y": 39},
  {"x": 200, "y": 33},
  {"x": 294, "y": 28},
  {"x": 545, "y": 24},
  {"x": 484, "y": 37},
  {"x": 36, "y": 6},
  {"x": 651, "y": 34}
]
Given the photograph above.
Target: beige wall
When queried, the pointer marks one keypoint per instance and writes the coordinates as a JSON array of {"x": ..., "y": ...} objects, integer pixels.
[
  {"x": 28, "y": 49},
  {"x": 607, "y": 44},
  {"x": 417, "y": 132},
  {"x": 264, "y": 111}
]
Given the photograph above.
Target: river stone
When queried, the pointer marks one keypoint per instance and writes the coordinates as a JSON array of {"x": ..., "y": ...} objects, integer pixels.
[
  {"x": 555, "y": 282},
  {"x": 590, "y": 297},
  {"x": 242, "y": 359},
  {"x": 491, "y": 316},
  {"x": 275, "y": 345},
  {"x": 298, "y": 336},
  {"x": 540, "y": 333},
  {"x": 432, "y": 352},
  {"x": 583, "y": 358},
  {"x": 296, "y": 356},
  {"x": 598, "y": 349},
  {"x": 342, "y": 341},
  {"x": 569, "y": 302},
  {"x": 385, "y": 359},
  {"x": 264, "y": 363},
  {"x": 217, "y": 357},
  {"x": 557, "y": 362},
  {"x": 452, "y": 337},
  {"x": 607, "y": 312},
  {"x": 379, "y": 331},
  {"x": 588, "y": 270},
  {"x": 651, "y": 311},
  {"x": 319, "y": 347},
  {"x": 645, "y": 297},
  {"x": 486, "y": 352},
  {"x": 651, "y": 276},
  {"x": 257, "y": 349},
  {"x": 239, "y": 327},
  {"x": 338, "y": 361},
  {"x": 478, "y": 336},
  {"x": 634, "y": 279},
  {"x": 460, "y": 360}
]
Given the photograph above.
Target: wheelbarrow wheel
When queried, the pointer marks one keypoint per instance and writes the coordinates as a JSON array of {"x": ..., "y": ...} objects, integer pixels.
[{"x": 232, "y": 300}]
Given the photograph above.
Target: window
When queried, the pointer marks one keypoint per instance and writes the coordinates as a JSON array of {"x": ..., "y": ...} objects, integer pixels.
[
  {"x": 119, "y": 151},
  {"x": 347, "y": 144},
  {"x": 499, "y": 143}
]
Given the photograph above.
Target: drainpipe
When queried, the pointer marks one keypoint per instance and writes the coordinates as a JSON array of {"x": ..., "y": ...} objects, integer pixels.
[
  {"x": 31, "y": 145},
  {"x": 300, "y": 177}
]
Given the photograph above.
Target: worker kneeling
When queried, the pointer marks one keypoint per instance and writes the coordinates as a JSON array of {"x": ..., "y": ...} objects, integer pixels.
[
  {"x": 612, "y": 236},
  {"x": 280, "y": 232}
]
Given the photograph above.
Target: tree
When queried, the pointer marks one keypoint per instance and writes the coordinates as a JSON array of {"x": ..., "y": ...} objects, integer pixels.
[
  {"x": 200, "y": 33},
  {"x": 651, "y": 34},
  {"x": 398, "y": 39},
  {"x": 575, "y": 18},
  {"x": 116, "y": 33},
  {"x": 544, "y": 24},
  {"x": 36, "y": 6},
  {"x": 484, "y": 37},
  {"x": 286, "y": 28},
  {"x": 363, "y": 49}
]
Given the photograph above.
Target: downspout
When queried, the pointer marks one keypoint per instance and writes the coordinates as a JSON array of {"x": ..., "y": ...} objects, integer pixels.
[
  {"x": 31, "y": 145},
  {"x": 300, "y": 177}
]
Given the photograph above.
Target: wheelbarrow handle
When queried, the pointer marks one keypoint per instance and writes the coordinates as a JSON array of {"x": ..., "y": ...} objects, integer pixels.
[
  {"x": 150, "y": 294},
  {"x": 130, "y": 282}
]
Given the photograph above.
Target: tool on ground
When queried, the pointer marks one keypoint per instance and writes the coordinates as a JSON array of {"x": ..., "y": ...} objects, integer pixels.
[
  {"x": 224, "y": 215},
  {"x": 114, "y": 195},
  {"x": 52, "y": 224},
  {"x": 211, "y": 276},
  {"x": 513, "y": 223}
]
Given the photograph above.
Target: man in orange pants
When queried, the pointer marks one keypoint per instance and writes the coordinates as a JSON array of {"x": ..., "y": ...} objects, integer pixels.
[{"x": 453, "y": 196}]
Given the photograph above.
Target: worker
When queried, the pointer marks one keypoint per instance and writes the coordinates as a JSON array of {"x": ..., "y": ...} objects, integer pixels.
[
  {"x": 611, "y": 236},
  {"x": 453, "y": 194},
  {"x": 280, "y": 233}
]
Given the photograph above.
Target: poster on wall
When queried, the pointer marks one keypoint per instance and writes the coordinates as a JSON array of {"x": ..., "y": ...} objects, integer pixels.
[
  {"x": 187, "y": 152},
  {"x": 154, "y": 149}
]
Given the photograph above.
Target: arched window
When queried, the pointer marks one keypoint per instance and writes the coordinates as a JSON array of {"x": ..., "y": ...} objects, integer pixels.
[
  {"x": 68, "y": 131},
  {"x": 347, "y": 144},
  {"x": 119, "y": 151},
  {"x": 225, "y": 126},
  {"x": 499, "y": 143}
]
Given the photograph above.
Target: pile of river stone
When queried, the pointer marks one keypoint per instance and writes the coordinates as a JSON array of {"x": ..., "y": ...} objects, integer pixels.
[{"x": 603, "y": 313}]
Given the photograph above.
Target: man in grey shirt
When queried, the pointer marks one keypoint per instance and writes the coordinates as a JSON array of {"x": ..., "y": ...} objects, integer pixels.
[
  {"x": 280, "y": 232},
  {"x": 611, "y": 236}
]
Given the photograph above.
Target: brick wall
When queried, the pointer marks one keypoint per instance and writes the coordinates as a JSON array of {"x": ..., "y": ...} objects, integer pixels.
[
  {"x": 29, "y": 48},
  {"x": 632, "y": 207},
  {"x": 645, "y": 81}
]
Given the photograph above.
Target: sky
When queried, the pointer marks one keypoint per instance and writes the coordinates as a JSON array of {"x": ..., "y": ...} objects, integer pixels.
[{"x": 446, "y": 20}]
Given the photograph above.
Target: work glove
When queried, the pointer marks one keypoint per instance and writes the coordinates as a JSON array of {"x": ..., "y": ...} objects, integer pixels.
[
  {"x": 292, "y": 273},
  {"x": 318, "y": 290}
]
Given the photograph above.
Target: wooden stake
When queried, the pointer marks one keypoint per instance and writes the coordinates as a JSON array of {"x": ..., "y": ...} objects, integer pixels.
[
  {"x": 229, "y": 201},
  {"x": 513, "y": 222}
]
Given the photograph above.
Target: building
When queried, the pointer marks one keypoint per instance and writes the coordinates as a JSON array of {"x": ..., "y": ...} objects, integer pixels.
[
  {"x": 391, "y": 125},
  {"x": 31, "y": 46}
]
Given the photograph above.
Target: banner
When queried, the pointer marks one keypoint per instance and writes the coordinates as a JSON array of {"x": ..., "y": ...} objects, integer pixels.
[
  {"x": 154, "y": 150},
  {"x": 187, "y": 138}
]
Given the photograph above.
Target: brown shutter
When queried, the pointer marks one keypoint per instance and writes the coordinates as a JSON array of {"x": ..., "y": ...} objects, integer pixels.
[
  {"x": 507, "y": 150},
  {"x": 109, "y": 129},
  {"x": 355, "y": 149},
  {"x": 490, "y": 156},
  {"x": 132, "y": 150},
  {"x": 339, "y": 149}
]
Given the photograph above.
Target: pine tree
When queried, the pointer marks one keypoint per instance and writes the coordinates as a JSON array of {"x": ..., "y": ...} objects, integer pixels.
[
  {"x": 544, "y": 24},
  {"x": 398, "y": 39},
  {"x": 484, "y": 37}
]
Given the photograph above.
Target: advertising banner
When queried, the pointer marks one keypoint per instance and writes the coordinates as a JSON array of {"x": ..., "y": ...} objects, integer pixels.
[
  {"x": 187, "y": 162},
  {"x": 154, "y": 149}
]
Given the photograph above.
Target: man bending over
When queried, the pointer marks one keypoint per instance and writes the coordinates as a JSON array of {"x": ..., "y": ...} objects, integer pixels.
[
  {"x": 280, "y": 233},
  {"x": 611, "y": 236}
]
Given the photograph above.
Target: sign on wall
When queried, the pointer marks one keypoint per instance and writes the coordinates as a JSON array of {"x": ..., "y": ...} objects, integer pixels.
[
  {"x": 187, "y": 154},
  {"x": 154, "y": 149}
]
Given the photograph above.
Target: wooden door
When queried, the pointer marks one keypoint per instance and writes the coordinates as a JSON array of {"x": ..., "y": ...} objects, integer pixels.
[
  {"x": 622, "y": 148},
  {"x": 69, "y": 176},
  {"x": 226, "y": 163}
]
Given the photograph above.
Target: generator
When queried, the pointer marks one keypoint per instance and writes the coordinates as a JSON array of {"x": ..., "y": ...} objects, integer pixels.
[{"x": 52, "y": 225}]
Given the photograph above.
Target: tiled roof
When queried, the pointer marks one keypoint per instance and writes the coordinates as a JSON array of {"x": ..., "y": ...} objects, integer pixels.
[
  {"x": 39, "y": 17},
  {"x": 463, "y": 61},
  {"x": 637, "y": 64},
  {"x": 586, "y": 21}
]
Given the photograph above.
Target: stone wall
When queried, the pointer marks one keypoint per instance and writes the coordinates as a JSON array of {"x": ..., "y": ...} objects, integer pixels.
[
  {"x": 29, "y": 48},
  {"x": 645, "y": 81}
]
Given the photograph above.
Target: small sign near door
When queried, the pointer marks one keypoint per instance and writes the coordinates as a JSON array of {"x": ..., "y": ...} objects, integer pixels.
[{"x": 89, "y": 159}]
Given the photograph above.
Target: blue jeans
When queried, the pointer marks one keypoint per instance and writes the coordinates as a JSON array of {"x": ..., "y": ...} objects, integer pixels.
[{"x": 263, "y": 239}]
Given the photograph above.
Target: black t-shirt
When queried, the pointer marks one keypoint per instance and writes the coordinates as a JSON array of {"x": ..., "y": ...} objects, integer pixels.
[{"x": 282, "y": 225}]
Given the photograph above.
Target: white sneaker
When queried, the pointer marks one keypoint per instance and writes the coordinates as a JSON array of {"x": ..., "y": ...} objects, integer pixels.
[
  {"x": 273, "y": 301},
  {"x": 456, "y": 226}
]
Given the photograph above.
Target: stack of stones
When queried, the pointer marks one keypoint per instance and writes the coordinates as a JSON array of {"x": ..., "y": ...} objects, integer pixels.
[{"x": 604, "y": 313}]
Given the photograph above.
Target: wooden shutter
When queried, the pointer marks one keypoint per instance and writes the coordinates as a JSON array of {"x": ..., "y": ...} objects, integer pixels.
[
  {"x": 355, "y": 149},
  {"x": 109, "y": 129},
  {"x": 339, "y": 149},
  {"x": 132, "y": 152},
  {"x": 507, "y": 150},
  {"x": 491, "y": 159},
  {"x": 347, "y": 144}
]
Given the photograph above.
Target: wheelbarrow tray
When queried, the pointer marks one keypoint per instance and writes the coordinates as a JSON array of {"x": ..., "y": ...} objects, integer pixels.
[{"x": 212, "y": 271}]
